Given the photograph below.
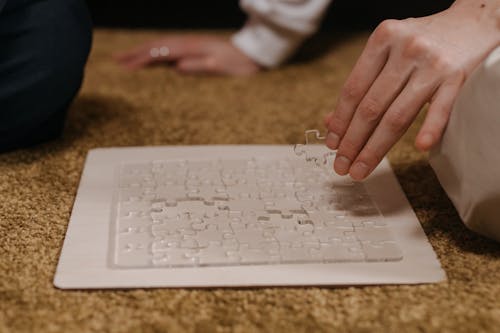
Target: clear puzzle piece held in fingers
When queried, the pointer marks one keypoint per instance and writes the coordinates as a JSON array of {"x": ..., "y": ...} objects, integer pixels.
[{"x": 320, "y": 159}]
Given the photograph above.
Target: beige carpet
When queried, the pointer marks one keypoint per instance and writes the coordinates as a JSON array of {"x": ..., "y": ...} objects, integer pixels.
[{"x": 158, "y": 107}]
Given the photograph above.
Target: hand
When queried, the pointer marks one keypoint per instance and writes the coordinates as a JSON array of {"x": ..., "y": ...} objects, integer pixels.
[
  {"x": 404, "y": 65},
  {"x": 193, "y": 54}
]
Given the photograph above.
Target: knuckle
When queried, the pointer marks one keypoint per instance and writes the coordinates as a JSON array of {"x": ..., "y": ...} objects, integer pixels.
[
  {"x": 369, "y": 110},
  {"x": 337, "y": 124},
  {"x": 387, "y": 29},
  {"x": 348, "y": 148},
  {"x": 443, "y": 63},
  {"x": 351, "y": 91},
  {"x": 459, "y": 76},
  {"x": 416, "y": 46},
  {"x": 370, "y": 156},
  {"x": 453, "y": 71},
  {"x": 396, "y": 122}
]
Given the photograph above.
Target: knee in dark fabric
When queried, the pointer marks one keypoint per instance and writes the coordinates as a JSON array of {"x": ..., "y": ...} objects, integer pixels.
[{"x": 41, "y": 68}]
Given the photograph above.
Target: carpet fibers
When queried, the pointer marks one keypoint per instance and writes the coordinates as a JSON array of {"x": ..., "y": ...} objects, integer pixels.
[{"x": 157, "y": 106}]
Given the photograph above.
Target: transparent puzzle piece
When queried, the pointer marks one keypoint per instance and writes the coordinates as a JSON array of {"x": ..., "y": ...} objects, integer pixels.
[{"x": 321, "y": 158}]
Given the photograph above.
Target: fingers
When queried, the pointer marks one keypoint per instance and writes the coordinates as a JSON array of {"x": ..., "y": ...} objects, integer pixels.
[
  {"x": 392, "y": 126},
  {"x": 164, "y": 50},
  {"x": 438, "y": 114},
  {"x": 367, "y": 69},
  {"x": 200, "y": 54},
  {"x": 144, "y": 55},
  {"x": 369, "y": 112},
  {"x": 137, "y": 60},
  {"x": 373, "y": 112},
  {"x": 197, "y": 65}
]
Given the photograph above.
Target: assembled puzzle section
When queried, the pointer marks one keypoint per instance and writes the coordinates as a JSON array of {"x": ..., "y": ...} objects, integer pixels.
[{"x": 189, "y": 213}]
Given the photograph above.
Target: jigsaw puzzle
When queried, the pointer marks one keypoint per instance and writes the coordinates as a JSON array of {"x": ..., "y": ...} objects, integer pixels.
[
  {"x": 238, "y": 215},
  {"x": 188, "y": 213}
]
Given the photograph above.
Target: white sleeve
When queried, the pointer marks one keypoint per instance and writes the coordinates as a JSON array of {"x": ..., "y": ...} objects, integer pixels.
[
  {"x": 467, "y": 162},
  {"x": 276, "y": 28}
]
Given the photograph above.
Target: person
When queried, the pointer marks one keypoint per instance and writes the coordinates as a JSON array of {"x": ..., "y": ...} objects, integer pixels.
[
  {"x": 404, "y": 65},
  {"x": 44, "y": 47},
  {"x": 272, "y": 33},
  {"x": 450, "y": 60}
]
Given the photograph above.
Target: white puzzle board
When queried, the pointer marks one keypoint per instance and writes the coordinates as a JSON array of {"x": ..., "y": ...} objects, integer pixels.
[{"x": 188, "y": 216}]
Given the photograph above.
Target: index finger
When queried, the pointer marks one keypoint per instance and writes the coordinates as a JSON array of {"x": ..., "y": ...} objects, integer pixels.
[{"x": 365, "y": 71}]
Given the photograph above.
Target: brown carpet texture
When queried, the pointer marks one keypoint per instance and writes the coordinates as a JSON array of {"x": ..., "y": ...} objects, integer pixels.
[{"x": 157, "y": 106}]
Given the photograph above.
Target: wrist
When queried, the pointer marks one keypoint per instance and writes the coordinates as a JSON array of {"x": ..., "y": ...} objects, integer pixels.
[{"x": 484, "y": 13}]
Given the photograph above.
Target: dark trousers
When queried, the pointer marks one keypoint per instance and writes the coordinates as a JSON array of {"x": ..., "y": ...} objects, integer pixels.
[{"x": 44, "y": 46}]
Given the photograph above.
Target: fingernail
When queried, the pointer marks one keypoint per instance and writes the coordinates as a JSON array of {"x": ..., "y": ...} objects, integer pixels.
[
  {"x": 427, "y": 140},
  {"x": 332, "y": 140},
  {"x": 359, "y": 171},
  {"x": 342, "y": 165}
]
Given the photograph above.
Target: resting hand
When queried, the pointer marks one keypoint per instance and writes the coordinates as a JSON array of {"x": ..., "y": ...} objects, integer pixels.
[
  {"x": 404, "y": 65},
  {"x": 193, "y": 54}
]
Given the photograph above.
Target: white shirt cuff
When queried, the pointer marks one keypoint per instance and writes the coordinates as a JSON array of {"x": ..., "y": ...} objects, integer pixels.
[{"x": 267, "y": 45}]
